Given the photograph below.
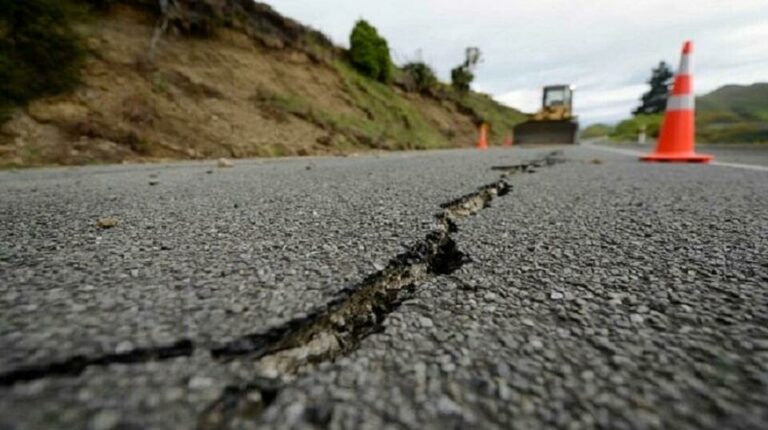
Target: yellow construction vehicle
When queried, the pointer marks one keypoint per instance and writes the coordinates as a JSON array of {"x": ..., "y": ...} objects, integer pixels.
[{"x": 554, "y": 123}]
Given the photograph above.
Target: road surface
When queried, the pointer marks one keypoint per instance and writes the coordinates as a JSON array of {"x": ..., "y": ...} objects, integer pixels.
[{"x": 500, "y": 289}]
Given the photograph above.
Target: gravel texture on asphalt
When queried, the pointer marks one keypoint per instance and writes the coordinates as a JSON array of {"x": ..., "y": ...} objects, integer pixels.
[
  {"x": 756, "y": 154},
  {"x": 615, "y": 296},
  {"x": 599, "y": 292},
  {"x": 750, "y": 154},
  {"x": 200, "y": 256}
]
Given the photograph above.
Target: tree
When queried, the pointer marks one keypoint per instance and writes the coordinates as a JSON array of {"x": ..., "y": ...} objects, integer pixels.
[
  {"x": 369, "y": 52},
  {"x": 655, "y": 100},
  {"x": 461, "y": 75}
]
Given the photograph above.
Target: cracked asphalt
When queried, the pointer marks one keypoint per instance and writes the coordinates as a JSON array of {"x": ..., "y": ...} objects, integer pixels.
[{"x": 598, "y": 293}]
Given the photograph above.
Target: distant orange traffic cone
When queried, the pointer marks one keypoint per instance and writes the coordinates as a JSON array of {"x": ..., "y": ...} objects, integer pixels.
[
  {"x": 676, "y": 138},
  {"x": 509, "y": 141},
  {"x": 482, "y": 141}
]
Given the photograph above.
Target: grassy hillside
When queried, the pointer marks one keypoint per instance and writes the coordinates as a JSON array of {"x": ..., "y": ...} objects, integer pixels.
[
  {"x": 734, "y": 113},
  {"x": 742, "y": 102},
  {"x": 231, "y": 78}
]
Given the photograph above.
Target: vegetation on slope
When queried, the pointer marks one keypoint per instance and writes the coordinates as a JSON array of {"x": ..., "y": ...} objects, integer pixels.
[
  {"x": 628, "y": 129},
  {"x": 40, "y": 52},
  {"x": 733, "y": 113},
  {"x": 484, "y": 109},
  {"x": 369, "y": 52},
  {"x": 596, "y": 131},
  {"x": 383, "y": 119},
  {"x": 741, "y": 102}
]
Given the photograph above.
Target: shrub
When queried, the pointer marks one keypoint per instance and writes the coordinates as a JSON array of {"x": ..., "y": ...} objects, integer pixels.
[
  {"x": 423, "y": 77},
  {"x": 369, "y": 52},
  {"x": 40, "y": 53},
  {"x": 461, "y": 77}
]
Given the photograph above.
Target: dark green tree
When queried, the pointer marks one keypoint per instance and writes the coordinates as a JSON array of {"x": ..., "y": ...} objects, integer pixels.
[
  {"x": 461, "y": 75},
  {"x": 369, "y": 52},
  {"x": 461, "y": 78},
  {"x": 655, "y": 100},
  {"x": 40, "y": 52}
]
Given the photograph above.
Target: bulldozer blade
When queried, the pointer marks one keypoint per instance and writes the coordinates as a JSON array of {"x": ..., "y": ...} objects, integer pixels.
[{"x": 549, "y": 132}]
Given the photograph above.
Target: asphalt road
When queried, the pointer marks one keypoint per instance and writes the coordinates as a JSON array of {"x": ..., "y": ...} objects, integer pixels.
[
  {"x": 596, "y": 292},
  {"x": 747, "y": 154}
]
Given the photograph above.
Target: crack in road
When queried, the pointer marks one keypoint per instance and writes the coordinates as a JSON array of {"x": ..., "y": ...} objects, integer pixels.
[
  {"x": 74, "y": 366},
  {"x": 334, "y": 329},
  {"x": 359, "y": 306},
  {"x": 285, "y": 351}
]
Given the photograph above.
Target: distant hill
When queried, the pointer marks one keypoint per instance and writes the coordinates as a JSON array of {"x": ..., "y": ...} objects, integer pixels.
[
  {"x": 742, "y": 102},
  {"x": 733, "y": 113}
]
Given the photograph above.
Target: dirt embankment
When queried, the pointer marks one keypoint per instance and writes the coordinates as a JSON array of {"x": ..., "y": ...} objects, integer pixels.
[{"x": 230, "y": 91}]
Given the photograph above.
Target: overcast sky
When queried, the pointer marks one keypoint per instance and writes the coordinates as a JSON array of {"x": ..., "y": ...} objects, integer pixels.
[{"x": 605, "y": 48}]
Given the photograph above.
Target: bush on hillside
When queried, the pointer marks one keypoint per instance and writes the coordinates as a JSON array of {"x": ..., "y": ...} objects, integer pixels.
[
  {"x": 421, "y": 75},
  {"x": 461, "y": 78},
  {"x": 369, "y": 52},
  {"x": 40, "y": 52}
]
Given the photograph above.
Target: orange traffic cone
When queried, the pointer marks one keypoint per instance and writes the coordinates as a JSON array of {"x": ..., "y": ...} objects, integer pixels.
[
  {"x": 482, "y": 141},
  {"x": 676, "y": 139},
  {"x": 509, "y": 141}
]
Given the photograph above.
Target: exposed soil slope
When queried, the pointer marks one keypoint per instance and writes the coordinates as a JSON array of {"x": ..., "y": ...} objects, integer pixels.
[{"x": 254, "y": 85}]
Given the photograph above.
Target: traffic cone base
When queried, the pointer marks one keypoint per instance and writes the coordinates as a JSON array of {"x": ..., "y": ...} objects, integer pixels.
[{"x": 679, "y": 157}]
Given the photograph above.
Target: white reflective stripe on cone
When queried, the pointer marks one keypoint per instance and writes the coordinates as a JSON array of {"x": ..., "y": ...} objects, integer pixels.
[
  {"x": 686, "y": 65},
  {"x": 686, "y": 102}
]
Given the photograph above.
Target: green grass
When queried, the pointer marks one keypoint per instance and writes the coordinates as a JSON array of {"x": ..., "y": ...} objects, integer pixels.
[
  {"x": 628, "y": 129},
  {"x": 501, "y": 118},
  {"x": 596, "y": 130},
  {"x": 389, "y": 117},
  {"x": 743, "y": 132},
  {"x": 384, "y": 118}
]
